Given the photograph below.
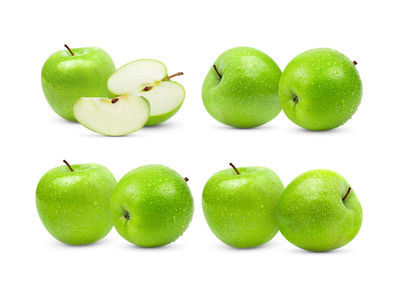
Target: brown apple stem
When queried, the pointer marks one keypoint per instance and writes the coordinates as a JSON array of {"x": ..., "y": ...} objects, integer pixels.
[
  {"x": 216, "y": 70},
  {"x": 347, "y": 194},
  {"x": 237, "y": 171},
  {"x": 355, "y": 62},
  {"x": 115, "y": 100},
  {"x": 186, "y": 179},
  {"x": 172, "y": 76},
  {"x": 69, "y": 166},
  {"x": 67, "y": 47}
]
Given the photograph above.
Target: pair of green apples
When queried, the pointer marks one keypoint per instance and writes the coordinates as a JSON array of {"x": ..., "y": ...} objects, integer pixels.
[
  {"x": 246, "y": 207},
  {"x": 79, "y": 204},
  {"x": 83, "y": 85},
  {"x": 152, "y": 206},
  {"x": 319, "y": 89}
]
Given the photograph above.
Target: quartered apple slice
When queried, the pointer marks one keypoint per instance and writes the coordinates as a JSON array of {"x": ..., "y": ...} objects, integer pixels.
[
  {"x": 112, "y": 117},
  {"x": 149, "y": 78}
]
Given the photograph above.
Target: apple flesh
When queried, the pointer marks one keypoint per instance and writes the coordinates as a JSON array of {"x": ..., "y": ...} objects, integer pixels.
[
  {"x": 241, "y": 88},
  {"x": 240, "y": 205},
  {"x": 73, "y": 202},
  {"x": 71, "y": 74},
  {"x": 319, "y": 211},
  {"x": 112, "y": 117},
  {"x": 320, "y": 89},
  {"x": 151, "y": 206},
  {"x": 149, "y": 78}
]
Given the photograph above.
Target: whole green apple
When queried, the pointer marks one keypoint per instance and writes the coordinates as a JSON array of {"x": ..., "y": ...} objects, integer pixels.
[
  {"x": 319, "y": 211},
  {"x": 73, "y": 202},
  {"x": 241, "y": 88},
  {"x": 240, "y": 205},
  {"x": 74, "y": 73},
  {"x": 320, "y": 89},
  {"x": 151, "y": 206}
]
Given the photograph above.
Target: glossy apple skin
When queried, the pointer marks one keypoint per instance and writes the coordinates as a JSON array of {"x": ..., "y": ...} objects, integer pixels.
[
  {"x": 247, "y": 94},
  {"x": 65, "y": 78},
  {"x": 241, "y": 209},
  {"x": 158, "y": 119},
  {"x": 158, "y": 202},
  {"x": 312, "y": 215},
  {"x": 326, "y": 85},
  {"x": 75, "y": 206}
]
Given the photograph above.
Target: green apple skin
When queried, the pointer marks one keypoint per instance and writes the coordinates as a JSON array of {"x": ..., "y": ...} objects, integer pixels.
[
  {"x": 247, "y": 94},
  {"x": 155, "y": 120},
  {"x": 320, "y": 89},
  {"x": 151, "y": 206},
  {"x": 312, "y": 215},
  {"x": 75, "y": 206},
  {"x": 241, "y": 209},
  {"x": 66, "y": 78}
]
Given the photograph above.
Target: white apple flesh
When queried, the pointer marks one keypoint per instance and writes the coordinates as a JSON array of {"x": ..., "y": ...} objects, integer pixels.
[
  {"x": 112, "y": 117},
  {"x": 149, "y": 78}
]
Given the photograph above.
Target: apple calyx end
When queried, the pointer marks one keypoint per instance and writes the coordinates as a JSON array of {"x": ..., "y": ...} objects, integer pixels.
[
  {"x": 234, "y": 167},
  {"x": 355, "y": 62},
  {"x": 186, "y": 179},
  {"x": 172, "y": 76},
  {"x": 70, "y": 51},
  {"x": 347, "y": 194},
  {"x": 295, "y": 98},
  {"x": 127, "y": 215},
  {"x": 216, "y": 70},
  {"x": 69, "y": 166}
]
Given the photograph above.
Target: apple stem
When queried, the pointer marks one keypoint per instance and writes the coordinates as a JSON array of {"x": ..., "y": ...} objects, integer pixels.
[
  {"x": 355, "y": 62},
  {"x": 171, "y": 76},
  {"x": 186, "y": 179},
  {"x": 69, "y": 166},
  {"x": 115, "y": 100},
  {"x": 347, "y": 194},
  {"x": 234, "y": 167},
  {"x": 216, "y": 70},
  {"x": 67, "y": 47}
]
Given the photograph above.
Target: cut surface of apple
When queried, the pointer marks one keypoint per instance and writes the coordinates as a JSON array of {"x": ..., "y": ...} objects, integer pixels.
[
  {"x": 149, "y": 78},
  {"x": 112, "y": 117}
]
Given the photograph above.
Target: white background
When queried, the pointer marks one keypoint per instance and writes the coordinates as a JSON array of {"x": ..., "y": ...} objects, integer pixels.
[{"x": 188, "y": 36}]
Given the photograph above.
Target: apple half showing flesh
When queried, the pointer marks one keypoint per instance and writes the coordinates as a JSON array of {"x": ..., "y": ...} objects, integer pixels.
[
  {"x": 120, "y": 116},
  {"x": 149, "y": 78}
]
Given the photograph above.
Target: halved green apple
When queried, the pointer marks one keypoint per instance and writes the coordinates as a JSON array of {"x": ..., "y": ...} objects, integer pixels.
[
  {"x": 149, "y": 78},
  {"x": 120, "y": 116}
]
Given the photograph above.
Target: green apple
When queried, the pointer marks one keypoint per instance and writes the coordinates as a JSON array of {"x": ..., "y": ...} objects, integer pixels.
[
  {"x": 240, "y": 205},
  {"x": 320, "y": 89},
  {"x": 319, "y": 211},
  {"x": 70, "y": 74},
  {"x": 241, "y": 88},
  {"x": 73, "y": 202},
  {"x": 151, "y": 206},
  {"x": 149, "y": 78},
  {"x": 112, "y": 117}
]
